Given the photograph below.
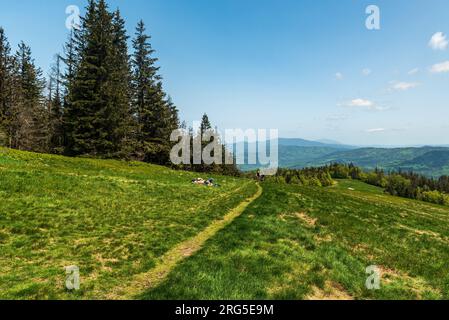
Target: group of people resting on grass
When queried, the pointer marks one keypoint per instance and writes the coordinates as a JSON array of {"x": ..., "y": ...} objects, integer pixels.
[
  {"x": 208, "y": 183},
  {"x": 211, "y": 183}
]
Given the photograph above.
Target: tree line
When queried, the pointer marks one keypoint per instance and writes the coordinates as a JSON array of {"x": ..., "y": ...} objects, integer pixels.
[
  {"x": 397, "y": 183},
  {"x": 101, "y": 99}
]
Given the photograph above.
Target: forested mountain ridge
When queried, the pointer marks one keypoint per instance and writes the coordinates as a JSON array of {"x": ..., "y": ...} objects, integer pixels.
[
  {"x": 431, "y": 161},
  {"x": 300, "y": 153}
]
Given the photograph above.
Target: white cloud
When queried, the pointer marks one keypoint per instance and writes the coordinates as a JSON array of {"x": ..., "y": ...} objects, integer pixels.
[
  {"x": 339, "y": 76},
  {"x": 360, "y": 103},
  {"x": 438, "y": 41},
  {"x": 413, "y": 71},
  {"x": 440, "y": 67},
  {"x": 376, "y": 130},
  {"x": 366, "y": 72},
  {"x": 403, "y": 86},
  {"x": 364, "y": 104}
]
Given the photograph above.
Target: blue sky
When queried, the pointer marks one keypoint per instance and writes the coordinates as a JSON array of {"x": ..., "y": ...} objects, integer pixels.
[{"x": 308, "y": 68}]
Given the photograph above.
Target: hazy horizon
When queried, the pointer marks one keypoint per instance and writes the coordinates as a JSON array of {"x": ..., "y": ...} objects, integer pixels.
[{"x": 342, "y": 143}]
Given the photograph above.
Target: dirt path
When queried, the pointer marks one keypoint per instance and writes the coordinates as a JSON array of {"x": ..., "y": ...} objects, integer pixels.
[{"x": 182, "y": 251}]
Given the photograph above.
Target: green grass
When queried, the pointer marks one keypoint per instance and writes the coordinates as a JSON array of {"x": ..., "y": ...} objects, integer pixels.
[
  {"x": 300, "y": 243},
  {"x": 145, "y": 232},
  {"x": 357, "y": 186},
  {"x": 112, "y": 219}
]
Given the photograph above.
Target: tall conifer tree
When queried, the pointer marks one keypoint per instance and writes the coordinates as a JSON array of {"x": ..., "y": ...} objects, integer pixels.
[
  {"x": 144, "y": 78},
  {"x": 5, "y": 86},
  {"x": 120, "y": 115},
  {"x": 84, "y": 105},
  {"x": 55, "y": 107},
  {"x": 28, "y": 123},
  {"x": 155, "y": 113},
  {"x": 96, "y": 119}
]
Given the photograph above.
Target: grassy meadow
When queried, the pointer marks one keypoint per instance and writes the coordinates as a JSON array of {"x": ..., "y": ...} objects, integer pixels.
[
  {"x": 145, "y": 232},
  {"x": 314, "y": 243},
  {"x": 112, "y": 219}
]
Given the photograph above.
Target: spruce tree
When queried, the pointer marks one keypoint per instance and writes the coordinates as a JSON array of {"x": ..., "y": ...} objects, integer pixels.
[
  {"x": 120, "y": 115},
  {"x": 227, "y": 167},
  {"x": 96, "y": 118},
  {"x": 205, "y": 124},
  {"x": 156, "y": 129},
  {"x": 174, "y": 122},
  {"x": 103, "y": 104},
  {"x": 28, "y": 123},
  {"x": 5, "y": 86},
  {"x": 205, "y": 128},
  {"x": 55, "y": 107},
  {"x": 144, "y": 75},
  {"x": 83, "y": 103},
  {"x": 155, "y": 113},
  {"x": 71, "y": 61}
]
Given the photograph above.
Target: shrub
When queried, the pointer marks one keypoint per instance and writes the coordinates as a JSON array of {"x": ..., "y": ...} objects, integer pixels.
[{"x": 435, "y": 197}]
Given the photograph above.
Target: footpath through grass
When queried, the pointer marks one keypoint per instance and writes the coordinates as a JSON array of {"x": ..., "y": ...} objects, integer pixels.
[
  {"x": 112, "y": 219},
  {"x": 316, "y": 243},
  {"x": 172, "y": 258}
]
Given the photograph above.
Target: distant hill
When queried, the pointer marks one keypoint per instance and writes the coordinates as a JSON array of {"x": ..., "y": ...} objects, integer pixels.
[
  {"x": 374, "y": 157},
  {"x": 300, "y": 153},
  {"x": 291, "y": 155},
  {"x": 329, "y": 141},
  {"x": 308, "y": 143},
  {"x": 430, "y": 161}
]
